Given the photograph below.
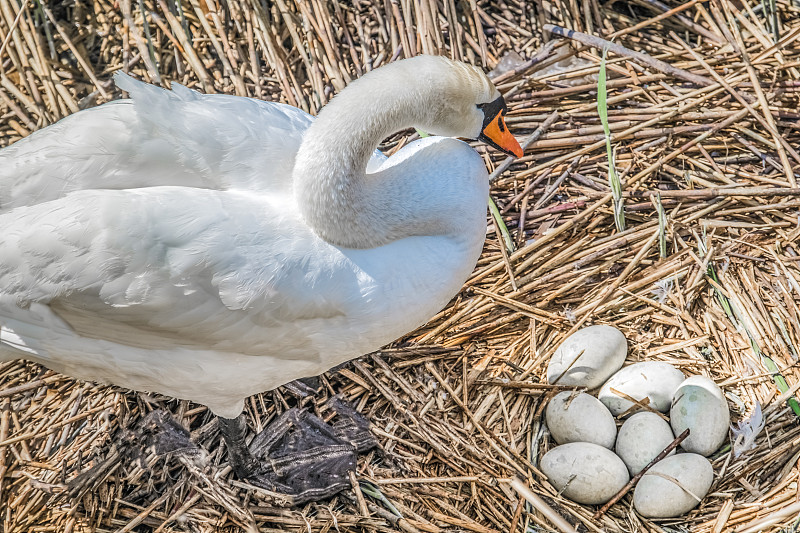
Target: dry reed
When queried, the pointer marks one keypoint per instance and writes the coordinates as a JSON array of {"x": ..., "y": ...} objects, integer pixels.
[{"x": 456, "y": 406}]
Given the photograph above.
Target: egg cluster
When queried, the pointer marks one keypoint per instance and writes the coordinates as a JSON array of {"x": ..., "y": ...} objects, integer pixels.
[{"x": 593, "y": 461}]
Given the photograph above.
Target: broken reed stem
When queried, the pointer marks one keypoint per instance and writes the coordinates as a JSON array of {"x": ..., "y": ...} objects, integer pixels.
[
  {"x": 669, "y": 13},
  {"x": 540, "y": 505},
  {"x": 614, "y": 181},
  {"x": 644, "y": 59},
  {"x": 492, "y": 342},
  {"x": 13, "y": 28},
  {"x": 707, "y": 194}
]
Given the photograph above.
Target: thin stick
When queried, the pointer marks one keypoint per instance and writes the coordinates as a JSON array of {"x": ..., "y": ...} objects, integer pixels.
[
  {"x": 362, "y": 503},
  {"x": 706, "y": 194},
  {"x": 13, "y": 28},
  {"x": 711, "y": 36},
  {"x": 597, "y": 42},
  {"x": 81, "y": 60},
  {"x": 624, "y": 490},
  {"x": 541, "y": 506}
]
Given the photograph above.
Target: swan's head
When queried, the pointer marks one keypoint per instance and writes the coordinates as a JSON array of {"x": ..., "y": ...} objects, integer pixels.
[
  {"x": 465, "y": 103},
  {"x": 434, "y": 95}
]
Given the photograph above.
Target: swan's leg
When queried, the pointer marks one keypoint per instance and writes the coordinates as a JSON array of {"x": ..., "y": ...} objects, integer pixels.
[{"x": 233, "y": 431}]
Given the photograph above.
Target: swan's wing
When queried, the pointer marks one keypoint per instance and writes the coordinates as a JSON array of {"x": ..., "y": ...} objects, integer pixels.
[
  {"x": 160, "y": 268},
  {"x": 160, "y": 137}
]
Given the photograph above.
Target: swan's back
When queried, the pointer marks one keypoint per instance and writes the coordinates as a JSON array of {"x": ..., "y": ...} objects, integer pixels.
[{"x": 160, "y": 137}]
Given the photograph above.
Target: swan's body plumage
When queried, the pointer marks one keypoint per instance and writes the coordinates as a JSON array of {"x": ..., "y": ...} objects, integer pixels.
[{"x": 163, "y": 243}]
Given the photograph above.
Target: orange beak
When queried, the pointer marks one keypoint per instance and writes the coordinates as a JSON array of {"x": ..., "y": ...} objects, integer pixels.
[{"x": 496, "y": 134}]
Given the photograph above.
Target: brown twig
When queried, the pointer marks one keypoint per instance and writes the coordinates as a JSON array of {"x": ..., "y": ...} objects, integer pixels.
[
  {"x": 635, "y": 479},
  {"x": 644, "y": 59}
]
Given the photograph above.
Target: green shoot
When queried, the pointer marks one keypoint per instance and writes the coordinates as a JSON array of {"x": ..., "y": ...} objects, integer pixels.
[
  {"x": 662, "y": 228},
  {"x": 46, "y": 22},
  {"x": 735, "y": 317},
  {"x": 613, "y": 178},
  {"x": 374, "y": 492},
  {"x": 501, "y": 226}
]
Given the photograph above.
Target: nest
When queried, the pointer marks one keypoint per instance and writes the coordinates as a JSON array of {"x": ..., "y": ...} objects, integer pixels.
[{"x": 703, "y": 116}]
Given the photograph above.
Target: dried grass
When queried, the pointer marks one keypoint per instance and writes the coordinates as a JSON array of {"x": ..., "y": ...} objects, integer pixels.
[{"x": 457, "y": 405}]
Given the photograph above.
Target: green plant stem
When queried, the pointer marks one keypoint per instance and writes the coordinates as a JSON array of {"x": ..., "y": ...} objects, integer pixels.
[{"x": 498, "y": 219}]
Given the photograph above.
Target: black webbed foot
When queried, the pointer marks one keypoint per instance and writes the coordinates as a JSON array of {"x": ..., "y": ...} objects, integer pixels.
[
  {"x": 299, "y": 454},
  {"x": 158, "y": 431}
]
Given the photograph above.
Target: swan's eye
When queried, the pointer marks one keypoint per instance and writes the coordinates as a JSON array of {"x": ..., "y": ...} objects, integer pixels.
[{"x": 492, "y": 109}]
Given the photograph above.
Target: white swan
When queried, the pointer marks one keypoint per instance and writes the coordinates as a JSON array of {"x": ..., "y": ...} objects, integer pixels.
[{"x": 210, "y": 247}]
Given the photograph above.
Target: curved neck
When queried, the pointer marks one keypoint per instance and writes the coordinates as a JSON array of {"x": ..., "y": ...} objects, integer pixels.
[{"x": 337, "y": 198}]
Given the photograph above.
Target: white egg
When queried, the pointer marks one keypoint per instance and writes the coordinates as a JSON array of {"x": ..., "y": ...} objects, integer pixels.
[
  {"x": 588, "y": 357},
  {"x": 578, "y": 417},
  {"x": 698, "y": 404},
  {"x": 584, "y": 472},
  {"x": 672, "y": 486},
  {"x": 641, "y": 438},
  {"x": 654, "y": 380}
]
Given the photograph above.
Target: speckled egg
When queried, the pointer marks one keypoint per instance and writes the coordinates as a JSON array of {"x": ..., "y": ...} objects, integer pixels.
[
  {"x": 579, "y": 417},
  {"x": 584, "y": 472},
  {"x": 641, "y": 438},
  {"x": 658, "y": 496},
  {"x": 698, "y": 404},
  {"x": 654, "y": 380},
  {"x": 588, "y": 357}
]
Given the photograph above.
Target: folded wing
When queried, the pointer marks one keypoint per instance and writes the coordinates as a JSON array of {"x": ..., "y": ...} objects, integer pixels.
[{"x": 160, "y": 137}]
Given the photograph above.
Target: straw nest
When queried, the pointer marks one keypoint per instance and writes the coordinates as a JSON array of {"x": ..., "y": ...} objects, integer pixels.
[{"x": 703, "y": 112}]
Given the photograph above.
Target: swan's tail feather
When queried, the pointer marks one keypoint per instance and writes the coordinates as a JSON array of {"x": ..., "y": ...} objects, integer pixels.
[
  {"x": 159, "y": 137},
  {"x": 184, "y": 92},
  {"x": 128, "y": 83},
  {"x": 153, "y": 97}
]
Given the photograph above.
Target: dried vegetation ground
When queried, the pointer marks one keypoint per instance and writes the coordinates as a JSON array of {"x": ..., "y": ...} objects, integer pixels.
[{"x": 704, "y": 122}]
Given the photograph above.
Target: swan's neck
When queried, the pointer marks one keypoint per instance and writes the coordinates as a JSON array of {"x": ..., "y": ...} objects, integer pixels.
[{"x": 338, "y": 200}]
